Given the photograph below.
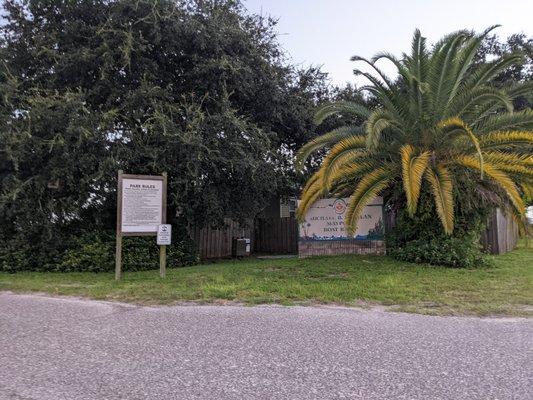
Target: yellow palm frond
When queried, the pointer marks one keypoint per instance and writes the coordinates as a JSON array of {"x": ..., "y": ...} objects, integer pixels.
[
  {"x": 509, "y": 158},
  {"x": 526, "y": 172},
  {"x": 442, "y": 187},
  {"x": 367, "y": 189},
  {"x": 327, "y": 170},
  {"x": 351, "y": 171},
  {"x": 458, "y": 123},
  {"x": 311, "y": 181},
  {"x": 413, "y": 168},
  {"x": 325, "y": 140},
  {"x": 345, "y": 151},
  {"x": 498, "y": 157},
  {"x": 499, "y": 177},
  {"x": 527, "y": 189},
  {"x": 313, "y": 192},
  {"x": 505, "y": 139}
]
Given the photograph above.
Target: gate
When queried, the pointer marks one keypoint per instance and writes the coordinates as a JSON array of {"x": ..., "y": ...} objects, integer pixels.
[{"x": 276, "y": 236}]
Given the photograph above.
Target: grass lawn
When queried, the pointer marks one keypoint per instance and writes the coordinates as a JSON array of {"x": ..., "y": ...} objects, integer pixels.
[{"x": 506, "y": 289}]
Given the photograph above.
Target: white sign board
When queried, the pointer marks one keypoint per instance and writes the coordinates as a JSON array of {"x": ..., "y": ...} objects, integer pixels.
[
  {"x": 164, "y": 234},
  {"x": 325, "y": 221},
  {"x": 142, "y": 205}
]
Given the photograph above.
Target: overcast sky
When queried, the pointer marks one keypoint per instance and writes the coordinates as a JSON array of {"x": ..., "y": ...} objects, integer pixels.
[{"x": 329, "y": 32}]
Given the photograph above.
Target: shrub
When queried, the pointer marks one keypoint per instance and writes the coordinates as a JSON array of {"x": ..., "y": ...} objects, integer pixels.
[
  {"x": 444, "y": 250},
  {"x": 421, "y": 238},
  {"x": 95, "y": 252}
]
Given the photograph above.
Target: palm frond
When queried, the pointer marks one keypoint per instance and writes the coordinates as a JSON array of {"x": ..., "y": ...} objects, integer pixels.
[
  {"x": 464, "y": 59},
  {"x": 527, "y": 189},
  {"x": 442, "y": 187},
  {"x": 367, "y": 189},
  {"x": 509, "y": 158},
  {"x": 486, "y": 72},
  {"x": 523, "y": 172},
  {"x": 316, "y": 176},
  {"x": 499, "y": 177},
  {"x": 344, "y": 151},
  {"x": 351, "y": 173},
  {"x": 402, "y": 70},
  {"x": 470, "y": 101},
  {"x": 521, "y": 89},
  {"x": 520, "y": 120},
  {"x": 505, "y": 139},
  {"x": 381, "y": 74},
  {"x": 457, "y": 123},
  {"x": 378, "y": 121},
  {"x": 394, "y": 103},
  {"x": 442, "y": 67},
  {"x": 413, "y": 168},
  {"x": 314, "y": 191},
  {"x": 327, "y": 139},
  {"x": 345, "y": 108}
]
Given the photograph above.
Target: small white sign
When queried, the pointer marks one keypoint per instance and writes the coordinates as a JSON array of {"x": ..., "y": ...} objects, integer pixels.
[{"x": 164, "y": 233}]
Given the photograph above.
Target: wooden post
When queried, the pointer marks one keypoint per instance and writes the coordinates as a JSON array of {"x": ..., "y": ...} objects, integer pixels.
[
  {"x": 118, "y": 250},
  {"x": 162, "y": 248},
  {"x": 162, "y": 261}
]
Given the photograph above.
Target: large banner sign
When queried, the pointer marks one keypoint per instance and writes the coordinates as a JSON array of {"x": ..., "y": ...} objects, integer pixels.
[{"x": 325, "y": 221}]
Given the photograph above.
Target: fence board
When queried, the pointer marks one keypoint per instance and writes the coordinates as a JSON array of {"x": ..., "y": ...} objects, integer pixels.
[
  {"x": 217, "y": 242},
  {"x": 501, "y": 234},
  {"x": 276, "y": 236}
]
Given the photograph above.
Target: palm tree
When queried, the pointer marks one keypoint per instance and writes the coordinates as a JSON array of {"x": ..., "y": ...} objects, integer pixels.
[{"x": 441, "y": 121}]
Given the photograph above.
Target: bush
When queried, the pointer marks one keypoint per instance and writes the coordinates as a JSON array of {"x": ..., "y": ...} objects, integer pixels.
[
  {"x": 445, "y": 250},
  {"x": 421, "y": 238},
  {"x": 95, "y": 252}
]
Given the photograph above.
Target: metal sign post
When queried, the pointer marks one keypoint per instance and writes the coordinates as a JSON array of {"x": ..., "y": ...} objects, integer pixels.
[
  {"x": 164, "y": 235},
  {"x": 141, "y": 209}
]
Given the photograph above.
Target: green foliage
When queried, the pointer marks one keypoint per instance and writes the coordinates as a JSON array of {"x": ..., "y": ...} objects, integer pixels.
[
  {"x": 96, "y": 253},
  {"x": 445, "y": 126},
  {"x": 445, "y": 250},
  {"x": 91, "y": 254},
  {"x": 194, "y": 88},
  {"x": 421, "y": 239}
]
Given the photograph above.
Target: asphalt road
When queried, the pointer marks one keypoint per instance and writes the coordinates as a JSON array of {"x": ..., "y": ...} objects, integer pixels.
[{"x": 62, "y": 348}]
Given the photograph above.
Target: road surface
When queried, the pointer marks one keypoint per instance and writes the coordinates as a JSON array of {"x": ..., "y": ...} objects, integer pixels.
[{"x": 65, "y": 348}]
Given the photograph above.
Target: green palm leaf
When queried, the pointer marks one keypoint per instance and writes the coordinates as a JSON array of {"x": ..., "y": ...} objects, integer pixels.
[
  {"x": 346, "y": 108},
  {"x": 325, "y": 140}
]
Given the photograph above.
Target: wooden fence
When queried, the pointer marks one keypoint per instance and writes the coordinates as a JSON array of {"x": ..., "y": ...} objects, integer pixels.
[
  {"x": 217, "y": 242},
  {"x": 276, "y": 236},
  {"x": 501, "y": 235},
  {"x": 280, "y": 236}
]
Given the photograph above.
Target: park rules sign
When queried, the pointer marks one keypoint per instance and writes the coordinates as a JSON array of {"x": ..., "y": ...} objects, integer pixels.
[
  {"x": 142, "y": 205},
  {"x": 141, "y": 211}
]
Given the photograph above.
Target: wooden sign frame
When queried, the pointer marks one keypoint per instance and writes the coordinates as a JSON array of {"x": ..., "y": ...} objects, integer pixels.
[{"x": 119, "y": 234}]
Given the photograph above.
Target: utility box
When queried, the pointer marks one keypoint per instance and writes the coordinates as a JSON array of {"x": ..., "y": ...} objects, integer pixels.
[{"x": 241, "y": 247}]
